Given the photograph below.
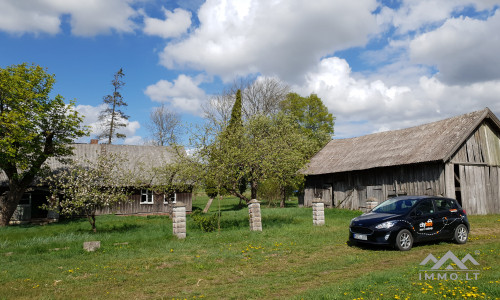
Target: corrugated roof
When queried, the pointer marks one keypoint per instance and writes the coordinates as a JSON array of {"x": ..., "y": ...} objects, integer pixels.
[
  {"x": 140, "y": 160},
  {"x": 435, "y": 141}
]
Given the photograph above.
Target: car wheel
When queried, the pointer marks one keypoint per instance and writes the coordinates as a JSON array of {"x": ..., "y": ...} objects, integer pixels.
[
  {"x": 404, "y": 240},
  {"x": 461, "y": 234}
]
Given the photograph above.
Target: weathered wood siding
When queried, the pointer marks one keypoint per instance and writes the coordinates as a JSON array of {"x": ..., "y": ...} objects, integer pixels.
[
  {"x": 482, "y": 147},
  {"x": 480, "y": 189},
  {"x": 352, "y": 189},
  {"x": 158, "y": 205}
]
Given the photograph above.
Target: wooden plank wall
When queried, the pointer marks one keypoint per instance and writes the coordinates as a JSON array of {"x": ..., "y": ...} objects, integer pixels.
[
  {"x": 480, "y": 189},
  {"x": 482, "y": 147},
  {"x": 352, "y": 189},
  {"x": 135, "y": 207}
]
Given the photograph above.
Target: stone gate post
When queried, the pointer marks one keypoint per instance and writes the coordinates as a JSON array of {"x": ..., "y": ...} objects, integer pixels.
[
  {"x": 318, "y": 212},
  {"x": 254, "y": 214},
  {"x": 179, "y": 220}
]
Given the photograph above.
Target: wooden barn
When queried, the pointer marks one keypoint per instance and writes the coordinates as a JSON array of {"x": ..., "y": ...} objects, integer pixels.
[
  {"x": 140, "y": 160},
  {"x": 457, "y": 157}
]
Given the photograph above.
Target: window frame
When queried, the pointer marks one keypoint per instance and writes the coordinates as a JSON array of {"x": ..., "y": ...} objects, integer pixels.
[
  {"x": 148, "y": 193},
  {"x": 167, "y": 200}
]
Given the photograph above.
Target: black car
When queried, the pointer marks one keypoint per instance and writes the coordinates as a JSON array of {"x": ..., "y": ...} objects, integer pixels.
[{"x": 401, "y": 221}]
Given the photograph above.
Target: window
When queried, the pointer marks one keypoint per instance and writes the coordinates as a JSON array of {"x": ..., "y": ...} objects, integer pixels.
[
  {"x": 146, "y": 197},
  {"x": 425, "y": 207},
  {"x": 170, "y": 198},
  {"x": 26, "y": 199},
  {"x": 445, "y": 204}
]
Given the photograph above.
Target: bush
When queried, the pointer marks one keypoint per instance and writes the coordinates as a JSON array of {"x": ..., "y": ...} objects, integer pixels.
[{"x": 206, "y": 222}]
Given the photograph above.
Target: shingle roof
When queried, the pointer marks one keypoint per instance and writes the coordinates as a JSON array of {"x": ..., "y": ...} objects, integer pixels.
[
  {"x": 436, "y": 141},
  {"x": 138, "y": 159}
]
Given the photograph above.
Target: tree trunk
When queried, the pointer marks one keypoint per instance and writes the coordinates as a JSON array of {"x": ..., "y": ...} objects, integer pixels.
[
  {"x": 207, "y": 207},
  {"x": 8, "y": 204},
  {"x": 283, "y": 197},
  {"x": 91, "y": 218},
  {"x": 253, "y": 189}
]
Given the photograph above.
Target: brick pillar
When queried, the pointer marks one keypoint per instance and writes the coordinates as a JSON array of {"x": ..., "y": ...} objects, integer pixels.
[
  {"x": 318, "y": 212},
  {"x": 254, "y": 213},
  {"x": 179, "y": 220}
]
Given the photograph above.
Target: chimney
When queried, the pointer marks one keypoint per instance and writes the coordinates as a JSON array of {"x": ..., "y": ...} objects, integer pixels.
[{"x": 94, "y": 141}]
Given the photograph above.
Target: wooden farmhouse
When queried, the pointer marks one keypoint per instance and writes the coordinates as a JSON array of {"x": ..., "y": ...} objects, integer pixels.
[
  {"x": 141, "y": 161},
  {"x": 457, "y": 157}
]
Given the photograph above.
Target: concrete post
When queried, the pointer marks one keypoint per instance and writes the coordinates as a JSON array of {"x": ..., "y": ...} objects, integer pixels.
[
  {"x": 179, "y": 220},
  {"x": 318, "y": 212},
  {"x": 254, "y": 214}
]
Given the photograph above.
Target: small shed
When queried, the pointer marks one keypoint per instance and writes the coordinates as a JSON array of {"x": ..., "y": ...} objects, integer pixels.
[
  {"x": 141, "y": 161},
  {"x": 457, "y": 157}
]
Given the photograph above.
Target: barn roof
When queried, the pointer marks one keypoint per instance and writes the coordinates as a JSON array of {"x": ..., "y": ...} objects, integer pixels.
[
  {"x": 436, "y": 141},
  {"x": 139, "y": 160}
]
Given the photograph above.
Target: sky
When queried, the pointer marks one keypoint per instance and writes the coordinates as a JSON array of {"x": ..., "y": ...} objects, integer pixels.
[{"x": 376, "y": 65}]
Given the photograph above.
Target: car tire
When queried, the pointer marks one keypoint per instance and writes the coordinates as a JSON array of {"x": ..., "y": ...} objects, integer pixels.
[
  {"x": 404, "y": 240},
  {"x": 461, "y": 234}
]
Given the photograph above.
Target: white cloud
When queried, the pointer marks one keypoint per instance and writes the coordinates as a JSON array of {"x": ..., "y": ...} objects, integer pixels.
[
  {"x": 91, "y": 119},
  {"x": 364, "y": 106},
  {"x": 283, "y": 38},
  {"x": 87, "y": 18},
  {"x": 420, "y": 15},
  {"x": 175, "y": 24},
  {"x": 182, "y": 94},
  {"x": 464, "y": 50}
]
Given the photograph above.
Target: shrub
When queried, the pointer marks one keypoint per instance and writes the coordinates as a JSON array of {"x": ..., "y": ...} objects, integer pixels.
[{"x": 206, "y": 222}]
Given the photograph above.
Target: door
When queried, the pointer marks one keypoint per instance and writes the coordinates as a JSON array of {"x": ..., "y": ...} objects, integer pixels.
[{"x": 425, "y": 220}]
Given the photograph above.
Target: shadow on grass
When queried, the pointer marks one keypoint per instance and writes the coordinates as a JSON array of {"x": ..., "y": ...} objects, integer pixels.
[
  {"x": 105, "y": 228},
  {"x": 370, "y": 247}
]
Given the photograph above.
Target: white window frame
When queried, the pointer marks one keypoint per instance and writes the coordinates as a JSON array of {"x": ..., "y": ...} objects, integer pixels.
[
  {"x": 149, "y": 196},
  {"x": 167, "y": 200}
]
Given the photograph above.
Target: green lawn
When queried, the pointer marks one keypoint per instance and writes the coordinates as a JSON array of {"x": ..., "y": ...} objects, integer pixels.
[{"x": 141, "y": 259}]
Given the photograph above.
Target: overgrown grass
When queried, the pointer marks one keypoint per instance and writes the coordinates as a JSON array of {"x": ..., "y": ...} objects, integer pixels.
[{"x": 140, "y": 258}]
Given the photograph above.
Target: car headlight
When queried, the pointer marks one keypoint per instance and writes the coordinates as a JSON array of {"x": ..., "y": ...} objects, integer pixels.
[
  {"x": 353, "y": 219},
  {"x": 386, "y": 225}
]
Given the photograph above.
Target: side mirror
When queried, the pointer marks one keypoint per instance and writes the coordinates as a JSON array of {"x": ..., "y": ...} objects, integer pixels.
[{"x": 418, "y": 213}]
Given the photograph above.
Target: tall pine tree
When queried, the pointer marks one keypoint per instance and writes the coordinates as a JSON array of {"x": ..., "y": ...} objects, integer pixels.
[{"x": 112, "y": 116}]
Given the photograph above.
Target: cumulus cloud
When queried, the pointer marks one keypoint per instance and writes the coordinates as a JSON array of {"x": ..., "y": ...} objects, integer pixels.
[
  {"x": 182, "y": 94},
  {"x": 283, "y": 38},
  {"x": 91, "y": 119},
  {"x": 175, "y": 24},
  {"x": 87, "y": 18},
  {"x": 423, "y": 14},
  {"x": 464, "y": 50},
  {"x": 364, "y": 106}
]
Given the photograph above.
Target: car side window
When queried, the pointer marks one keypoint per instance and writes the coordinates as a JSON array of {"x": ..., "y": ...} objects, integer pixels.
[
  {"x": 443, "y": 204},
  {"x": 424, "y": 208}
]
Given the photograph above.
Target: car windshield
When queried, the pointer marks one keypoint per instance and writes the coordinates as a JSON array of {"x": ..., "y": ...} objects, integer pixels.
[{"x": 395, "y": 206}]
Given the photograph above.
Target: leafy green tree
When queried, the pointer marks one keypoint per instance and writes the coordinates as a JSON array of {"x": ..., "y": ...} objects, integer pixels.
[
  {"x": 89, "y": 185},
  {"x": 312, "y": 116},
  {"x": 33, "y": 128},
  {"x": 112, "y": 116}
]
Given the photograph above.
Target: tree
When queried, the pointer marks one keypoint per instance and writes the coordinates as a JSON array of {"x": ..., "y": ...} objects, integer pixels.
[
  {"x": 33, "y": 128},
  {"x": 313, "y": 118},
  {"x": 112, "y": 116},
  {"x": 86, "y": 186},
  {"x": 261, "y": 96},
  {"x": 164, "y": 126}
]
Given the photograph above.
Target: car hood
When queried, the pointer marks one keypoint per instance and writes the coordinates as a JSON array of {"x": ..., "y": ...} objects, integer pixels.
[{"x": 373, "y": 218}]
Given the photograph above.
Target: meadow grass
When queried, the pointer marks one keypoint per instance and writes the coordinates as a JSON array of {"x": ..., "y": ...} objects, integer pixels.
[{"x": 140, "y": 258}]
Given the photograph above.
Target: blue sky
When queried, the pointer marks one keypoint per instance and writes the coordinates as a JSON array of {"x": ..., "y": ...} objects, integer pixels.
[{"x": 377, "y": 65}]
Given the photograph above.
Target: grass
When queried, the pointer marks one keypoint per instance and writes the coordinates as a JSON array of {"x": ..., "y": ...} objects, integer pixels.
[{"x": 140, "y": 258}]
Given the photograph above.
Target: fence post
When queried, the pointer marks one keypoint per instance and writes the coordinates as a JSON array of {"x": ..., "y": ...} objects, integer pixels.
[
  {"x": 318, "y": 212},
  {"x": 179, "y": 220},
  {"x": 254, "y": 214}
]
